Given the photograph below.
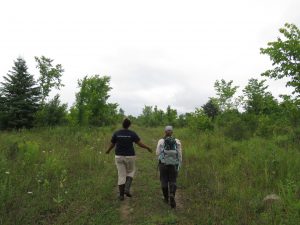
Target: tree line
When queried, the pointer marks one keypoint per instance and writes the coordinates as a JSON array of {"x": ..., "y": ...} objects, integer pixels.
[
  {"x": 25, "y": 101},
  {"x": 256, "y": 111}
]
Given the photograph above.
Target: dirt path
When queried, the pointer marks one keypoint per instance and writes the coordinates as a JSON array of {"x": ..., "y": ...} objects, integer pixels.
[
  {"x": 125, "y": 208},
  {"x": 125, "y": 212},
  {"x": 179, "y": 199},
  {"x": 146, "y": 206}
]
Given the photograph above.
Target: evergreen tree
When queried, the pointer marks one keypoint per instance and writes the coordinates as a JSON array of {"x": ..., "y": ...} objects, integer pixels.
[
  {"x": 20, "y": 96},
  {"x": 2, "y": 111}
]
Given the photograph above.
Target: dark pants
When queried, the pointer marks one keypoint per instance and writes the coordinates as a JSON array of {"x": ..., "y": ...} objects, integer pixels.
[{"x": 168, "y": 175}]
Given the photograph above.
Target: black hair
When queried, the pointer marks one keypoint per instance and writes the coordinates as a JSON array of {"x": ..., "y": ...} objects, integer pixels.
[{"x": 126, "y": 123}]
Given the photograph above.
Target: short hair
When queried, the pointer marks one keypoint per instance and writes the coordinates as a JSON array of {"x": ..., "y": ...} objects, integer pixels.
[
  {"x": 126, "y": 123},
  {"x": 169, "y": 128}
]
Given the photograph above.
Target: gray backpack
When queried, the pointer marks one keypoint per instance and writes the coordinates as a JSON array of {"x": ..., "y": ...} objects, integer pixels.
[{"x": 169, "y": 155}]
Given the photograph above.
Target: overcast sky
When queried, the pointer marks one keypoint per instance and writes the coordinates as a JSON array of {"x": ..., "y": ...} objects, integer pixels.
[{"x": 158, "y": 52}]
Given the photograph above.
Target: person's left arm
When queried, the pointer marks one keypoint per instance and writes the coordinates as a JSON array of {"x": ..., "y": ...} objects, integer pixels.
[
  {"x": 136, "y": 139},
  {"x": 142, "y": 145}
]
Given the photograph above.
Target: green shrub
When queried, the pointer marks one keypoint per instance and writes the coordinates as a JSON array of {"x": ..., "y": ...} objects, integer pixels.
[
  {"x": 29, "y": 151},
  {"x": 199, "y": 121},
  {"x": 236, "y": 129}
]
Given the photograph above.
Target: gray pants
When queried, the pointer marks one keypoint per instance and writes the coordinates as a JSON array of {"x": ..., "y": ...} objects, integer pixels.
[{"x": 168, "y": 176}]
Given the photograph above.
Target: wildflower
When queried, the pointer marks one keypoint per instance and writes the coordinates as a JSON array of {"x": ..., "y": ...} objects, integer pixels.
[
  {"x": 39, "y": 181},
  {"x": 30, "y": 192},
  {"x": 44, "y": 151},
  {"x": 7, "y": 172},
  {"x": 66, "y": 192}
]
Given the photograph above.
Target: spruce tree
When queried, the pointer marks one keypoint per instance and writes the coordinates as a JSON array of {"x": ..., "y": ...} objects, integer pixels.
[{"x": 20, "y": 97}]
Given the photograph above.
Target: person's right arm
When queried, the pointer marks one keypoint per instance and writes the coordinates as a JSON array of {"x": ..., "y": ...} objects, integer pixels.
[{"x": 112, "y": 144}]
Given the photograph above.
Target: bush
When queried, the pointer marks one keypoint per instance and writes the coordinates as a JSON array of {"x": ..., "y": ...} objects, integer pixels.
[
  {"x": 266, "y": 127},
  {"x": 233, "y": 125},
  {"x": 199, "y": 121}
]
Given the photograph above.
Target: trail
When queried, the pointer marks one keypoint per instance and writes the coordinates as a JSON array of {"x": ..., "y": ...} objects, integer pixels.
[
  {"x": 146, "y": 206},
  {"x": 126, "y": 210},
  {"x": 179, "y": 199}
]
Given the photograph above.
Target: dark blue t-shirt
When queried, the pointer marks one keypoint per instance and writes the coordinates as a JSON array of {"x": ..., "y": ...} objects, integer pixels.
[{"x": 124, "y": 142}]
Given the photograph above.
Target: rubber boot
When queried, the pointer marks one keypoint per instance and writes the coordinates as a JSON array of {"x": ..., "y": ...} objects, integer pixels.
[
  {"x": 165, "y": 191},
  {"x": 172, "y": 195},
  {"x": 121, "y": 190},
  {"x": 127, "y": 186}
]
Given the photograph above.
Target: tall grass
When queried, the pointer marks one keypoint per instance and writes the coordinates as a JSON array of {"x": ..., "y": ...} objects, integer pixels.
[
  {"x": 56, "y": 176},
  {"x": 62, "y": 176},
  {"x": 226, "y": 181}
]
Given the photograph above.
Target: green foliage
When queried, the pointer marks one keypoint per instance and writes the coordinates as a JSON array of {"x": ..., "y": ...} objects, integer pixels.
[
  {"x": 49, "y": 180},
  {"x": 199, "y": 121},
  {"x": 50, "y": 76},
  {"x": 91, "y": 102},
  {"x": 52, "y": 167},
  {"x": 226, "y": 184},
  {"x": 258, "y": 100},
  {"x": 285, "y": 56},
  {"x": 171, "y": 115},
  {"x": 221, "y": 180},
  {"x": 147, "y": 117},
  {"x": 289, "y": 111},
  {"x": 225, "y": 92},
  {"x": 20, "y": 97},
  {"x": 265, "y": 126},
  {"x": 211, "y": 108},
  {"x": 233, "y": 125},
  {"x": 52, "y": 113},
  {"x": 153, "y": 117}
]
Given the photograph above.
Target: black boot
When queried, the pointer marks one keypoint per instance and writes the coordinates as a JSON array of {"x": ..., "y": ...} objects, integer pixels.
[
  {"x": 172, "y": 196},
  {"x": 121, "y": 190},
  {"x": 127, "y": 186},
  {"x": 165, "y": 191}
]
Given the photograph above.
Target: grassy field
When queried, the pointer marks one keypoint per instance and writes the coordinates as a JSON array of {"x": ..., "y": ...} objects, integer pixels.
[{"x": 62, "y": 176}]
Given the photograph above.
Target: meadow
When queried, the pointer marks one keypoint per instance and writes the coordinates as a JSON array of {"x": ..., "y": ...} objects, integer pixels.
[{"x": 62, "y": 176}]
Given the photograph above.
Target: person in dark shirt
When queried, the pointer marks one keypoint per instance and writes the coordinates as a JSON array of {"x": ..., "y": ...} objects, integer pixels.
[{"x": 123, "y": 141}]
